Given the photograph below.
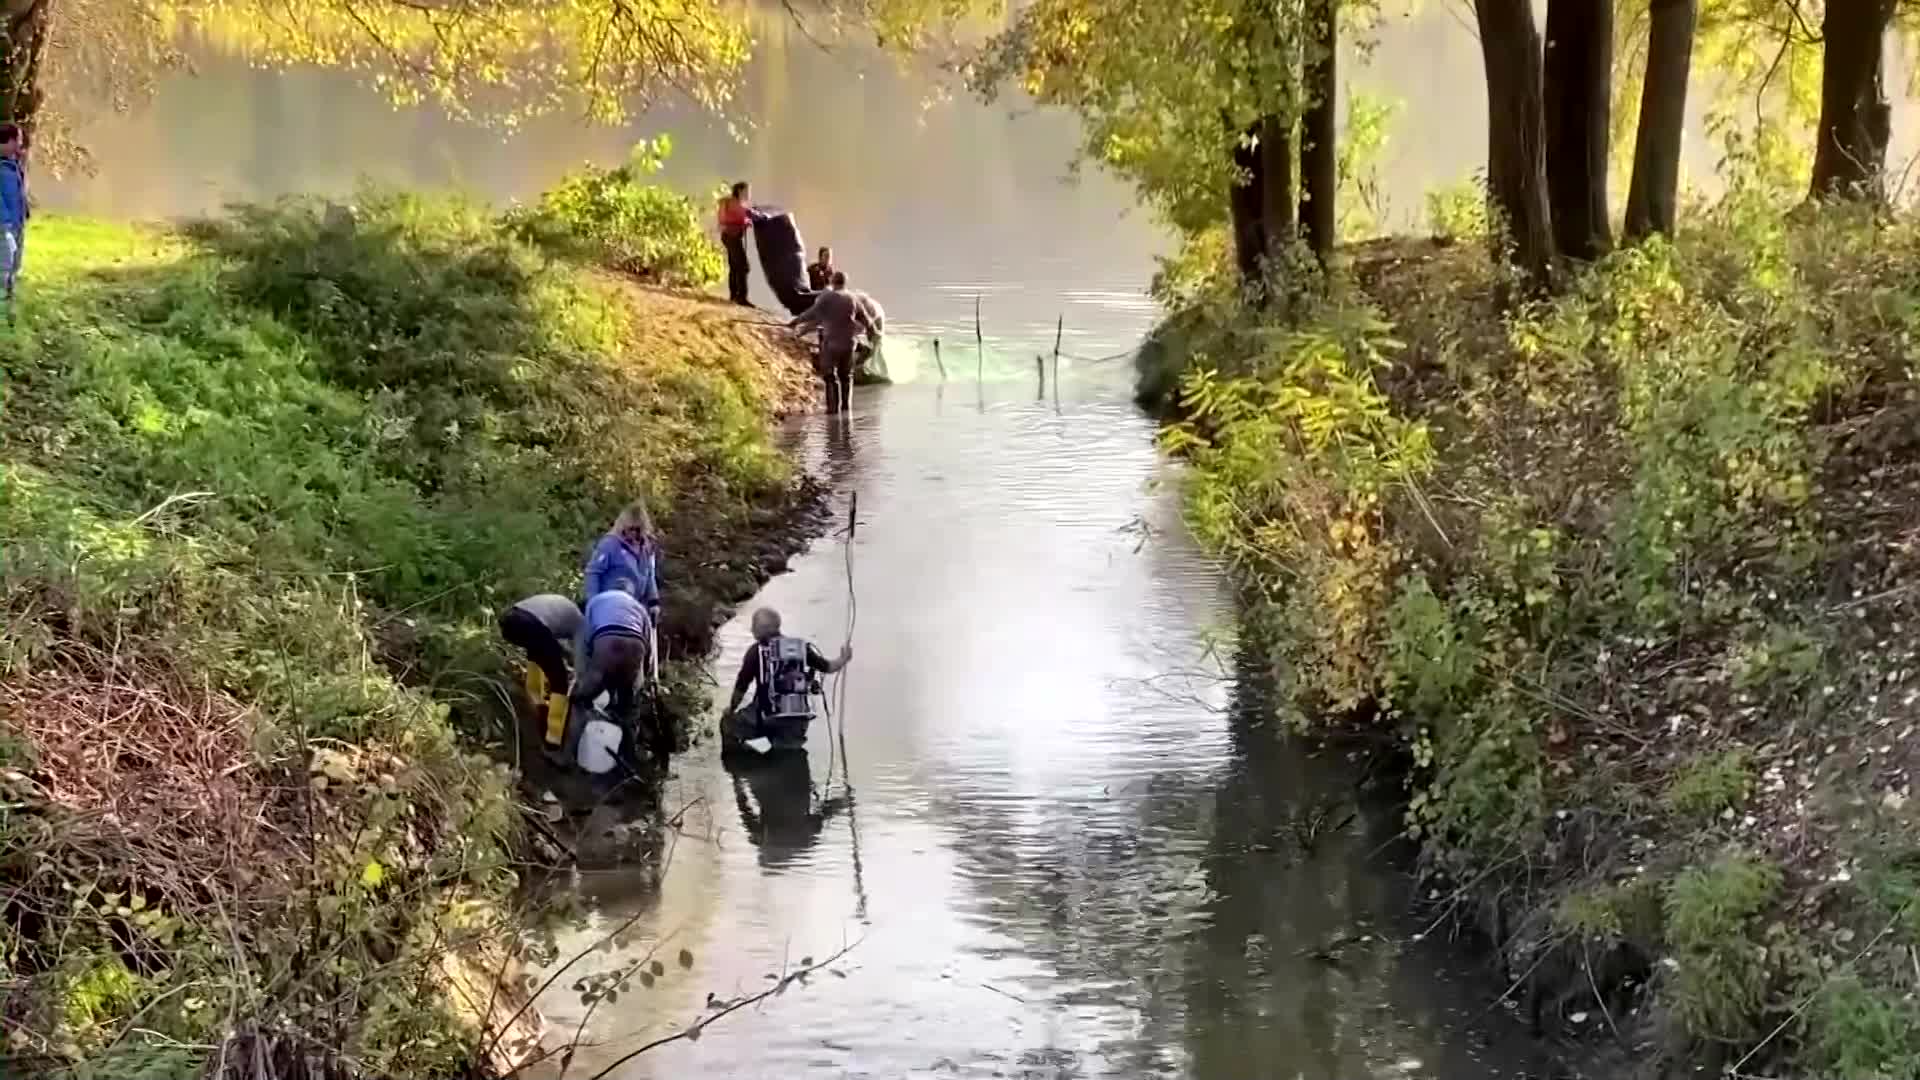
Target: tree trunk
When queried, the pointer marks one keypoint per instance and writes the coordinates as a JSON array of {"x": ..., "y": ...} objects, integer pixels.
[
  {"x": 24, "y": 23},
  {"x": 1849, "y": 160},
  {"x": 1244, "y": 207},
  {"x": 1276, "y": 163},
  {"x": 1655, "y": 188},
  {"x": 1319, "y": 130},
  {"x": 1578, "y": 87},
  {"x": 1516, "y": 131}
]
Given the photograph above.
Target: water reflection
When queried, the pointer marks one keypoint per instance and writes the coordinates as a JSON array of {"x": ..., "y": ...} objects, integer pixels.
[{"x": 781, "y": 811}]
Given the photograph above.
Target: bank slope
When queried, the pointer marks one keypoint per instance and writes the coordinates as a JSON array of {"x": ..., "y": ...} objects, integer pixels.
[
  {"x": 264, "y": 484},
  {"x": 1627, "y": 578}
]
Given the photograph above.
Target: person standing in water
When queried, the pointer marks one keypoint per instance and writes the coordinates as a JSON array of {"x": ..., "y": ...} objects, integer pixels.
[
  {"x": 820, "y": 274},
  {"x": 841, "y": 319},
  {"x": 14, "y": 210},
  {"x": 779, "y": 672},
  {"x": 736, "y": 216}
]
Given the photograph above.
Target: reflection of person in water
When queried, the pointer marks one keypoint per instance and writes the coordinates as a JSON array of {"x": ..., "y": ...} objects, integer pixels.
[{"x": 781, "y": 817}]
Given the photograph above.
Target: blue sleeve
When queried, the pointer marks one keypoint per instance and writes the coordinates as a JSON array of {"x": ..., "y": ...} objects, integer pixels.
[
  {"x": 650, "y": 587},
  {"x": 13, "y": 198},
  {"x": 598, "y": 564}
]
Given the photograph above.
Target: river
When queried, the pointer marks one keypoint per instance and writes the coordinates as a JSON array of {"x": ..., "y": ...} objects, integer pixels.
[{"x": 1060, "y": 842}]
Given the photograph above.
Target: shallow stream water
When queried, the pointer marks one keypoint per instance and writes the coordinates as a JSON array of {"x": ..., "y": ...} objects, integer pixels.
[{"x": 1057, "y": 841}]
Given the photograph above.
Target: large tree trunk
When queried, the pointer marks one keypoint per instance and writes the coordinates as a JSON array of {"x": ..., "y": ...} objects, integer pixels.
[
  {"x": 1516, "y": 130},
  {"x": 1578, "y": 87},
  {"x": 1276, "y": 177},
  {"x": 1319, "y": 130},
  {"x": 1655, "y": 187},
  {"x": 1849, "y": 160},
  {"x": 24, "y": 23},
  {"x": 1246, "y": 209}
]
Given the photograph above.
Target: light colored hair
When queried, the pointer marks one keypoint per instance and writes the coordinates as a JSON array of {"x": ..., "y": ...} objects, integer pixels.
[
  {"x": 634, "y": 516},
  {"x": 766, "y": 623}
]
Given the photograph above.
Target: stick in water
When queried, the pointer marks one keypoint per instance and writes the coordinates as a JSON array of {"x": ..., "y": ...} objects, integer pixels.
[
  {"x": 979, "y": 341},
  {"x": 937, "y": 362}
]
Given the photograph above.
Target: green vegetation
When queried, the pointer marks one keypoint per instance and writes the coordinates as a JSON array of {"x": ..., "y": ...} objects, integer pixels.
[
  {"x": 264, "y": 485},
  {"x": 1626, "y": 570},
  {"x": 613, "y": 218}
]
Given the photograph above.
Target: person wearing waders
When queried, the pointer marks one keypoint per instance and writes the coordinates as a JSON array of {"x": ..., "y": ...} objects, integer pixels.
[
  {"x": 736, "y": 216},
  {"x": 14, "y": 210},
  {"x": 544, "y": 627},
  {"x": 840, "y": 319},
  {"x": 616, "y": 633},
  {"x": 781, "y": 672}
]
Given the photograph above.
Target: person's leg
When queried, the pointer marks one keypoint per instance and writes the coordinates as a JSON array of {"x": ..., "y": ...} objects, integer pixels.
[
  {"x": 736, "y": 268},
  {"x": 544, "y": 681},
  {"x": 843, "y": 374},
  {"x": 594, "y": 677},
  {"x": 12, "y": 250}
]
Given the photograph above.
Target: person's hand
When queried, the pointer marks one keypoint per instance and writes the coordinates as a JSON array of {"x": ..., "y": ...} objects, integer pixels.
[{"x": 846, "y": 654}]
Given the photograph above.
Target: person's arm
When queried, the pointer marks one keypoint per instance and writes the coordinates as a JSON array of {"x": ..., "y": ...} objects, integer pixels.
[
  {"x": 743, "y": 682},
  {"x": 818, "y": 661},
  {"x": 598, "y": 564},
  {"x": 809, "y": 317},
  {"x": 650, "y": 585}
]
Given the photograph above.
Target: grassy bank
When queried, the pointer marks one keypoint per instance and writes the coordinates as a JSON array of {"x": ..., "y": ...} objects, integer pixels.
[
  {"x": 265, "y": 483},
  {"x": 1626, "y": 577}
]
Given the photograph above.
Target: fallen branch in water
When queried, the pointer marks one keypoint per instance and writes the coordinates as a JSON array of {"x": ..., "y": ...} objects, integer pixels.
[{"x": 693, "y": 1031}]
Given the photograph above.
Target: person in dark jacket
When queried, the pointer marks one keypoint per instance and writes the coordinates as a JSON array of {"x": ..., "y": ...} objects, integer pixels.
[
  {"x": 544, "y": 627},
  {"x": 14, "y": 210},
  {"x": 820, "y": 274},
  {"x": 756, "y": 667},
  {"x": 628, "y": 551},
  {"x": 737, "y": 215}
]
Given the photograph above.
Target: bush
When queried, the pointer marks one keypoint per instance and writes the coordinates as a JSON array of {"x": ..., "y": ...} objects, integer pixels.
[
  {"x": 613, "y": 218},
  {"x": 264, "y": 485},
  {"x": 1623, "y": 571}
]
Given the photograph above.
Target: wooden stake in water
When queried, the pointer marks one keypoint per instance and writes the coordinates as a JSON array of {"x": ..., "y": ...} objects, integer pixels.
[
  {"x": 1059, "y": 328},
  {"x": 1040, "y": 374},
  {"x": 937, "y": 362},
  {"x": 979, "y": 343}
]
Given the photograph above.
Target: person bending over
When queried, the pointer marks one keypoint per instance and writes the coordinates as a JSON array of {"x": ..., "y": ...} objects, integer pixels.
[
  {"x": 544, "y": 627},
  {"x": 617, "y": 657}
]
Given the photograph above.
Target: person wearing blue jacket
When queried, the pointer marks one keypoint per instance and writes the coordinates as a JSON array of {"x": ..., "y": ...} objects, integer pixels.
[
  {"x": 617, "y": 633},
  {"x": 628, "y": 551},
  {"x": 14, "y": 210}
]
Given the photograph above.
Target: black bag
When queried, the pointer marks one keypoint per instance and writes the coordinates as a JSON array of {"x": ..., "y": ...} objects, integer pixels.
[{"x": 783, "y": 259}]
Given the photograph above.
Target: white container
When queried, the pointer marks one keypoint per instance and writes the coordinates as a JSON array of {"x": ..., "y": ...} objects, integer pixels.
[{"x": 599, "y": 743}]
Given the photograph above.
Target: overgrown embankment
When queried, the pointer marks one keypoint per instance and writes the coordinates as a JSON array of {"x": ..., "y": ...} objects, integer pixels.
[
  {"x": 1628, "y": 577},
  {"x": 265, "y": 483}
]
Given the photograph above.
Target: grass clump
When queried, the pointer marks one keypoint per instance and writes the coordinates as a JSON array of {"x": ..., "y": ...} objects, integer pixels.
[
  {"x": 1721, "y": 974},
  {"x": 1605, "y": 567},
  {"x": 265, "y": 483},
  {"x": 1711, "y": 784}
]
